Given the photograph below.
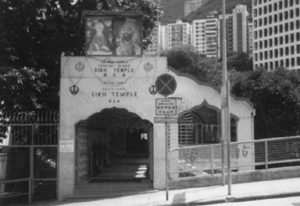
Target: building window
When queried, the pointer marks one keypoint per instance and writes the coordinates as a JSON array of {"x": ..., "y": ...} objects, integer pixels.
[
  {"x": 266, "y": 43},
  {"x": 270, "y": 8},
  {"x": 281, "y": 52},
  {"x": 260, "y": 33},
  {"x": 286, "y": 15},
  {"x": 265, "y": 9},
  {"x": 293, "y": 62},
  {"x": 281, "y": 40},
  {"x": 280, "y": 5},
  {"x": 271, "y": 54},
  {"x": 292, "y": 38},
  {"x": 292, "y": 50},
  {"x": 275, "y": 18},
  {"x": 266, "y": 55},
  {"x": 271, "y": 65},
  {"x": 260, "y": 11},
  {"x": 280, "y": 17},
  {"x": 292, "y": 26},
  {"x": 287, "y": 50},
  {"x": 286, "y": 3},
  {"x": 260, "y": 45},
  {"x": 265, "y": 21},
  {"x": 280, "y": 28},
  {"x": 286, "y": 39},
  {"x": 271, "y": 42},
  {"x": 287, "y": 62}
]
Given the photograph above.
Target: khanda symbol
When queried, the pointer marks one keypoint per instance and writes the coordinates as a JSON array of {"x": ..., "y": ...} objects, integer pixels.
[{"x": 74, "y": 89}]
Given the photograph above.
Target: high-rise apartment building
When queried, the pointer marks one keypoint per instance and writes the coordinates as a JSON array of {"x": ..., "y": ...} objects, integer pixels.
[
  {"x": 240, "y": 16},
  {"x": 205, "y": 36},
  {"x": 276, "y": 27},
  {"x": 229, "y": 33},
  {"x": 177, "y": 34},
  {"x": 156, "y": 46},
  {"x": 237, "y": 30},
  {"x": 192, "y": 5}
]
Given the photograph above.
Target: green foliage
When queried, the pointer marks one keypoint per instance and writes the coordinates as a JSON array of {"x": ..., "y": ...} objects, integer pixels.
[
  {"x": 276, "y": 96},
  {"x": 240, "y": 62},
  {"x": 35, "y": 33},
  {"x": 187, "y": 60},
  {"x": 20, "y": 88}
]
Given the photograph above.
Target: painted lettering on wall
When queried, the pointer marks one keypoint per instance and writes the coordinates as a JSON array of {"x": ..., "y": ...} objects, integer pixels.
[
  {"x": 114, "y": 95},
  {"x": 114, "y": 73}
]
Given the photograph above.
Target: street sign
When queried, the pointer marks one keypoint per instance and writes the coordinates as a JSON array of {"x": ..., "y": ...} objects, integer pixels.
[
  {"x": 165, "y": 106},
  {"x": 166, "y": 120},
  {"x": 165, "y": 84}
]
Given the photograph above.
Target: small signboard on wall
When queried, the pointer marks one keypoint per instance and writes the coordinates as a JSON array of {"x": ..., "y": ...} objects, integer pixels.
[
  {"x": 66, "y": 146},
  {"x": 165, "y": 106},
  {"x": 113, "y": 33}
]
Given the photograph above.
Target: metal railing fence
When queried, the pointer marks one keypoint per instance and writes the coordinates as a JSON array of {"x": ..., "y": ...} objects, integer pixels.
[
  {"x": 28, "y": 155},
  {"x": 199, "y": 160}
]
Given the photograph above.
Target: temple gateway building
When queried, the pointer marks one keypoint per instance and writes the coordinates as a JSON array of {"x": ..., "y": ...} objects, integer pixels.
[{"x": 119, "y": 107}]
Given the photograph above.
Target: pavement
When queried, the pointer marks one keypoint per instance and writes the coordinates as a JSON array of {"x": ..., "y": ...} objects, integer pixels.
[{"x": 194, "y": 196}]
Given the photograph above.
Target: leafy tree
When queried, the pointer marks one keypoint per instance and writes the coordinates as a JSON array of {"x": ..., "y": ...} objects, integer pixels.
[
  {"x": 240, "y": 62},
  {"x": 35, "y": 33},
  {"x": 187, "y": 60},
  {"x": 276, "y": 96},
  {"x": 19, "y": 88}
]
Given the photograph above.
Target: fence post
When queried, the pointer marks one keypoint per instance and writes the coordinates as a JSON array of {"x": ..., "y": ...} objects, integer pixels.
[
  {"x": 266, "y": 154},
  {"x": 31, "y": 183},
  {"x": 212, "y": 159}
]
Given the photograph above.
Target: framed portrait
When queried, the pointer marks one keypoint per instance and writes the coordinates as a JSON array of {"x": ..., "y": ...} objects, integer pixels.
[
  {"x": 128, "y": 41},
  {"x": 99, "y": 36},
  {"x": 113, "y": 33}
]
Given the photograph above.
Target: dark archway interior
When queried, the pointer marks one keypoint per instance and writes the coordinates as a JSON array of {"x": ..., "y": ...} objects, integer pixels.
[
  {"x": 118, "y": 146},
  {"x": 202, "y": 125}
]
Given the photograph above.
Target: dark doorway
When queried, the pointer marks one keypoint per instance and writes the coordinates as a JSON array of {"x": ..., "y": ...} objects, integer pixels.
[
  {"x": 137, "y": 143},
  {"x": 118, "y": 150}
]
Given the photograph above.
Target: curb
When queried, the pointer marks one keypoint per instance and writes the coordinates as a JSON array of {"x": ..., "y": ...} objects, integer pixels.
[{"x": 239, "y": 199}]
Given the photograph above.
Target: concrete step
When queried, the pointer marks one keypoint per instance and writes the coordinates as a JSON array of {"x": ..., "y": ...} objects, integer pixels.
[{"x": 91, "y": 190}]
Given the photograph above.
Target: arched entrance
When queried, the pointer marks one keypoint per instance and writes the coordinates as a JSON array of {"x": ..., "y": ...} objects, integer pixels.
[
  {"x": 114, "y": 146},
  {"x": 202, "y": 125}
]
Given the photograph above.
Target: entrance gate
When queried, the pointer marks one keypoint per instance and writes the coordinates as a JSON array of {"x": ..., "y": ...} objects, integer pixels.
[{"x": 28, "y": 156}]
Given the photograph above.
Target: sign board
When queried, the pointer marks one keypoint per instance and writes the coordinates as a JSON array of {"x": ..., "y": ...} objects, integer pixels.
[
  {"x": 113, "y": 33},
  {"x": 165, "y": 84},
  {"x": 165, "y": 120},
  {"x": 165, "y": 106},
  {"x": 66, "y": 146}
]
